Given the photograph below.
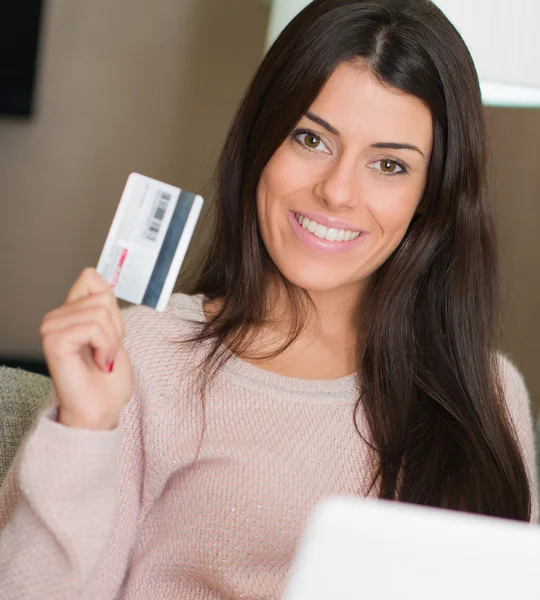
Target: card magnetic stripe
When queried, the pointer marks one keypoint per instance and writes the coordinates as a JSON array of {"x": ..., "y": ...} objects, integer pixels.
[{"x": 168, "y": 249}]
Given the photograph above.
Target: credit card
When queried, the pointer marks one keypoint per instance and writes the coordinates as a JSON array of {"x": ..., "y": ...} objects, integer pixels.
[{"x": 148, "y": 240}]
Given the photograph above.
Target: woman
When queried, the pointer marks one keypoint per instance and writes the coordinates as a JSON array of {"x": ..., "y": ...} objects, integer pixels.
[{"x": 341, "y": 338}]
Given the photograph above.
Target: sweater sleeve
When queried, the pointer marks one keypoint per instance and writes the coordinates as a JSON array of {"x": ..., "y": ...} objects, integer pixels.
[
  {"x": 69, "y": 510},
  {"x": 519, "y": 405},
  {"x": 68, "y": 500}
]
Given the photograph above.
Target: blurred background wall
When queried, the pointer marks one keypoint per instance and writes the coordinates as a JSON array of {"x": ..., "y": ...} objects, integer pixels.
[
  {"x": 151, "y": 87},
  {"x": 515, "y": 140},
  {"x": 122, "y": 86}
]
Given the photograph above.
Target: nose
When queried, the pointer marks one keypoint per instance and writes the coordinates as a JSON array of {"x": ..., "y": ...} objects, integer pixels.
[{"x": 338, "y": 184}]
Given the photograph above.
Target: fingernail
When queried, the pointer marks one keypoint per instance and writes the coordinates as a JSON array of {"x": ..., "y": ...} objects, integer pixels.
[{"x": 111, "y": 366}]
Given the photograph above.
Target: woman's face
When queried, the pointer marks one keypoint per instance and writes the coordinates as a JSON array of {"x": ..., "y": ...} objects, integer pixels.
[{"x": 338, "y": 195}]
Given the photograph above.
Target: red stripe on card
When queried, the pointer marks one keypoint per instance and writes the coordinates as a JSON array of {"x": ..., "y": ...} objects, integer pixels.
[{"x": 119, "y": 266}]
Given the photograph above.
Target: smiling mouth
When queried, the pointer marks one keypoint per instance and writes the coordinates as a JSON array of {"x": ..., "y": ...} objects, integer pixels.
[{"x": 326, "y": 233}]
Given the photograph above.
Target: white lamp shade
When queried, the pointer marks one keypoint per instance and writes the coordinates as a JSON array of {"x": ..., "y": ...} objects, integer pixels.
[{"x": 501, "y": 35}]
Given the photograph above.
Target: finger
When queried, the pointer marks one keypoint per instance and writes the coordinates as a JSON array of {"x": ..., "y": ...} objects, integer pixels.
[
  {"x": 99, "y": 314},
  {"x": 72, "y": 339},
  {"x": 88, "y": 282},
  {"x": 103, "y": 300}
]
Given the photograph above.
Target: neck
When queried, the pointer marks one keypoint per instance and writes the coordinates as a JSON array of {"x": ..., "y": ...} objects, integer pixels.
[
  {"x": 329, "y": 313},
  {"x": 327, "y": 342},
  {"x": 323, "y": 349},
  {"x": 333, "y": 313}
]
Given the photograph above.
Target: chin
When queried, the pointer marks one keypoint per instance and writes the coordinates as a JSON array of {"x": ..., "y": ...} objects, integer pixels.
[{"x": 315, "y": 278}]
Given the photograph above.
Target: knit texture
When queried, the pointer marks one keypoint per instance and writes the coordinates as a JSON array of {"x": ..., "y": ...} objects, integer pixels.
[
  {"x": 22, "y": 396},
  {"x": 164, "y": 508}
]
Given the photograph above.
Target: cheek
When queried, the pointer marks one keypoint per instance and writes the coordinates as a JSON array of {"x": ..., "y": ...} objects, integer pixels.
[
  {"x": 283, "y": 176},
  {"x": 262, "y": 203},
  {"x": 271, "y": 180},
  {"x": 394, "y": 210},
  {"x": 268, "y": 204}
]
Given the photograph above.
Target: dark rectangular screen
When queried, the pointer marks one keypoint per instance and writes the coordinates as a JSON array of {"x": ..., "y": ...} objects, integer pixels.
[{"x": 20, "y": 23}]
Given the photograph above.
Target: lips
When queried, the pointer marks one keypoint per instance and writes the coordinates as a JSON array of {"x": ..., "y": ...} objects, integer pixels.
[
  {"x": 323, "y": 244},
  {"x": 329, "y": 222},
  {"x": 332, "y": 234}
]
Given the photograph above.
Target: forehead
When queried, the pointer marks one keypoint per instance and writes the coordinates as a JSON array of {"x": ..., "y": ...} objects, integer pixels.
[{"x": 357, "y": 104}]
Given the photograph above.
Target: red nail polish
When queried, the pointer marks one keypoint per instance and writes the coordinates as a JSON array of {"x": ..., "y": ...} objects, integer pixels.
[{"x": 111, "y": 366}]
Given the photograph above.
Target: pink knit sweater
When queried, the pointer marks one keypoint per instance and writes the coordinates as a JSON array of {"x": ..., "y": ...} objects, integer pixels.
[{"x": 130, "y": 514}]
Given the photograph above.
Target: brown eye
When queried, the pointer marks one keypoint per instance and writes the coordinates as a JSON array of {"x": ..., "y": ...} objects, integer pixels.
[
  {"x": 388, "y": 166},
  {"x": 311, "y": 141}
]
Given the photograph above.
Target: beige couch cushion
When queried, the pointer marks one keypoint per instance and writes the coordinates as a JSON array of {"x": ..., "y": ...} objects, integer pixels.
[{"x": 22, "y": 396}]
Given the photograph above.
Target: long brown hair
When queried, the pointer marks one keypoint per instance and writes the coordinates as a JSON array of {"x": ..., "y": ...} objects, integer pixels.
[{"x": 427, "y": 364}]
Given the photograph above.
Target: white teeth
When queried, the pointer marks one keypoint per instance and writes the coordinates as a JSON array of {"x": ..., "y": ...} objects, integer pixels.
[
  {"x": 328, "y": 233},
  {"x": 320, "y": 231},
  {"x": 331, "y": 235}
]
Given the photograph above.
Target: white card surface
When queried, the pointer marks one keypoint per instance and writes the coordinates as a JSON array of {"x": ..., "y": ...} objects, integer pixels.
[{"x": 148, "y": 240}]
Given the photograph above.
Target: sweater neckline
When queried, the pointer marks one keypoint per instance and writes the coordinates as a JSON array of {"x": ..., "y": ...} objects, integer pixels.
[{"x": 344, "y": 388}]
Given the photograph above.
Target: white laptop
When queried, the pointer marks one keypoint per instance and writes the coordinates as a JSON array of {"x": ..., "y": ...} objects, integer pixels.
[{"x": 356, "y": 549}]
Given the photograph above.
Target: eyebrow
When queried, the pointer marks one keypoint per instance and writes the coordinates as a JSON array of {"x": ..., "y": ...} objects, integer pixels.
[
  {"x": 389, "y": 145},
  {"x": 395, "y": 146},
  {"x": 322, "y": 123}
]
